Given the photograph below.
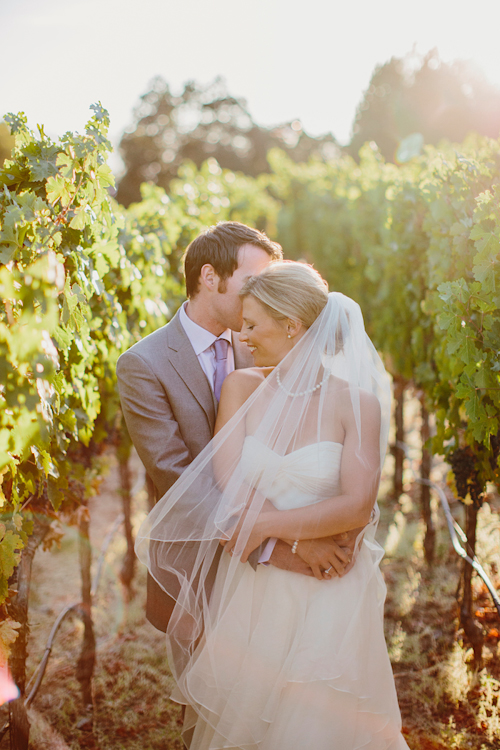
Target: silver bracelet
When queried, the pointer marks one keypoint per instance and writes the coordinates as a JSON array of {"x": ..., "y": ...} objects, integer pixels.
[{"x": 294, "y": 546}]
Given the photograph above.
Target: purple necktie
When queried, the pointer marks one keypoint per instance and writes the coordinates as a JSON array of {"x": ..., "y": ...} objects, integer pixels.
[{"x": 220, "y": 348}]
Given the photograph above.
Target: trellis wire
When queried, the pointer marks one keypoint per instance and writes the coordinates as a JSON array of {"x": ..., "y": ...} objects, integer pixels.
[
  {"x": 40, "y": 670},
  {"x": 453, "y": 528},
  {"x": 455, "y": 531}
]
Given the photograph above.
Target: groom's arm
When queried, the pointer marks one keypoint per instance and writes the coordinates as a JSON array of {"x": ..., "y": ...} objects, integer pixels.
[{"x": 150, "y": 421}]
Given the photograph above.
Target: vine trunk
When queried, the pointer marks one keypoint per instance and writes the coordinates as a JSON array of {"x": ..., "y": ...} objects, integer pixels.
[
  {"x": 18, "y": 610},
  {"x": 425, "y": 491}
]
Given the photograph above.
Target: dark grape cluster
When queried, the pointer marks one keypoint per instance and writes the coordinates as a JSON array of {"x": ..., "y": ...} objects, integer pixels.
[{"x": 463, "y": 464}]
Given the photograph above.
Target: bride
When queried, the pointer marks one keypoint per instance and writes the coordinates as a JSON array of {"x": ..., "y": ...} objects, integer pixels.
[{"x": 267, "y": 659}]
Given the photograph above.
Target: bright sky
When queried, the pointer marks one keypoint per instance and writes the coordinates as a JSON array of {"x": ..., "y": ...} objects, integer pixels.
[{"x": 310, "y": 60}]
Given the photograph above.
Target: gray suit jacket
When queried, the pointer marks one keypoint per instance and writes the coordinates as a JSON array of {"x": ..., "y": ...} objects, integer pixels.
[{"x": 170, "y": 409}]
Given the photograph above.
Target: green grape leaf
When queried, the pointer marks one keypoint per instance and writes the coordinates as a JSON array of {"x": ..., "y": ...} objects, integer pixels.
[
  {"x": 6, "y": 253},
  {"x": 58, "y": 189},
  {"x": 100, "y": 114},
  {"x": 79, "y": 219},
  {"x": 483, "y": 378},
  {"x": 468, "y": 351},
  {"x": 67, "y": 166},
  {"x": 42, "y": 166},
  {"x": 44, "y": 462},
  {"x": 446, "y": 319},
  {"x": 105, "y": 176},
  {"x": 473, "y": 407},
  {"x": 9, "y": 559},
  {"x": 62, "y": 337}
]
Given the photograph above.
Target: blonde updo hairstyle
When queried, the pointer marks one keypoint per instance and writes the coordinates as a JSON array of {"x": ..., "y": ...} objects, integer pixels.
[{"x": 289, "y": 289}]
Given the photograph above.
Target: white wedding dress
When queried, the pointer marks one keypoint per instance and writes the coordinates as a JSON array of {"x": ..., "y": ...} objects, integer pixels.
[{"x": 295, "y": 663}]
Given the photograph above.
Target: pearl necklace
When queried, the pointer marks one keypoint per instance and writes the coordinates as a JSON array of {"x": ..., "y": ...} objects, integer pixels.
[{"x": 301, "y": 393}]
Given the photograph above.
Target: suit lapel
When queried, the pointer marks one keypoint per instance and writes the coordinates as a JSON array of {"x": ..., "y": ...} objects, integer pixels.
[{"x": 185, "y": 362}]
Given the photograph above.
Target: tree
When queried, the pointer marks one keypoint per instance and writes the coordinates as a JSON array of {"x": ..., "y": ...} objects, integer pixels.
[
  {"x": 415, "y": 95},
  {"x": 203, "y": 122}
]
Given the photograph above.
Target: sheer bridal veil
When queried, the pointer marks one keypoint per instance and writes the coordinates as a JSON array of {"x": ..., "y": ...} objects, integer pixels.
[{"x": 334, "y": 362}]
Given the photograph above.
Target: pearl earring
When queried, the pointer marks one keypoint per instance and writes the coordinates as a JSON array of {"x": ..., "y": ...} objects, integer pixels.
[{"x": 289, "y": 336}]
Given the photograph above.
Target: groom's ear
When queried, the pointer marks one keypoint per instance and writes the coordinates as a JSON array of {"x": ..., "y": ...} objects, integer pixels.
[{"x": 208, "y": 278}]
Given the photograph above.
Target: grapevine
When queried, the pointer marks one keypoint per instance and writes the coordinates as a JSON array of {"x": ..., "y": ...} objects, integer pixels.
[{"x": 82, "y": 279}]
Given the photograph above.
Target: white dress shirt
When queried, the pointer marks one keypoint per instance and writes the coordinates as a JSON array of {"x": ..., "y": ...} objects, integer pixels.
[{"x": 201, "y": 341}]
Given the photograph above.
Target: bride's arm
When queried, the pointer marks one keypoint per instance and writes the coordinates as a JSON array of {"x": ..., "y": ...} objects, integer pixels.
[
  {"x": 236, "y": 389},
  {"x": 238, "y": 386},
  {"x": 359, "y": 479}
]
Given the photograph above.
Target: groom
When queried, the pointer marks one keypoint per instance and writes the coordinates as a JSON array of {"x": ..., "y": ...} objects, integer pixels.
[{"x": 170, "y": 381}]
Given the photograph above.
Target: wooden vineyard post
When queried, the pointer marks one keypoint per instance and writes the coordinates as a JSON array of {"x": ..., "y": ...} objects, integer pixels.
[
  {"x": 123, "y": 445},
  {"x": 471, "y": 627},
  {"x": 470, "y": 492},
  {"x": 425, "y": 490},
  {"x": 86, "y": 661},
  {"x": 398, "y": 450},
  {"x": 18, "y": 610},
  {"x": 128, "y": 565}
]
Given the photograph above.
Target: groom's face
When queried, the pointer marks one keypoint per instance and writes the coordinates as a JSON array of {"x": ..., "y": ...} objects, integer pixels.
[{"x": 226, "y": 304}]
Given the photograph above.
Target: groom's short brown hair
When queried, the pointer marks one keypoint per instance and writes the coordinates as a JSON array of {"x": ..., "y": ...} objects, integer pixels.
[{"x": 219, "y": 246}]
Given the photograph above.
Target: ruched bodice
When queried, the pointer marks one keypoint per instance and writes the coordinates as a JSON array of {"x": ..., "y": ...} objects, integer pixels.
[{"x": 303, "y": 477}]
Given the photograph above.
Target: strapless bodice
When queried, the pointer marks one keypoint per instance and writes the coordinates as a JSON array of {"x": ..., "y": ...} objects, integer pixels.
[{"x": 302, "y": 477}]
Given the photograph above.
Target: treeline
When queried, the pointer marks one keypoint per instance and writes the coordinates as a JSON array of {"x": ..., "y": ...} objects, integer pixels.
[
  {"x": 410, "y": 101},
  {"x": 82, "y": 278}
]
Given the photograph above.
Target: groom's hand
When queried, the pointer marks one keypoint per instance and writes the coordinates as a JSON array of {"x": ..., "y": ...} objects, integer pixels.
[
  {"x": 348, "y": 543},
  {"x": 326, "y": 554}
]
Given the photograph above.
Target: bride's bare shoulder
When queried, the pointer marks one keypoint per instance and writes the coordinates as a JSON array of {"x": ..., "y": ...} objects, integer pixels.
[
  {"x": 340, "y": 388},
  {"x": 236, "y": 389},
  {"x": 240, "y": 384}
]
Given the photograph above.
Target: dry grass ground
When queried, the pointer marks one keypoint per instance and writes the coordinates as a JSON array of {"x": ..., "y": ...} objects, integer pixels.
[{"x": 444, "y": 703}]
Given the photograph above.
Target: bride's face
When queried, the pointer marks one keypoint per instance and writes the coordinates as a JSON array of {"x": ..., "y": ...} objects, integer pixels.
[{"x": 266, "y": 337}]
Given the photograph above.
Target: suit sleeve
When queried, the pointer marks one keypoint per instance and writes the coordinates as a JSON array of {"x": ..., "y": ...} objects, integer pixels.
[{"x": 150, "y": 421}]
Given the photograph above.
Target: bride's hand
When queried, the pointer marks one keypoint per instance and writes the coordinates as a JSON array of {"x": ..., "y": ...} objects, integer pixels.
[{"x": 255, "y": 538}]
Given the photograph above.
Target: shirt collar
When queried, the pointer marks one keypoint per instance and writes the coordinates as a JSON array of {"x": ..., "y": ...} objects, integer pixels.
[{"x": 200, "y": 338}]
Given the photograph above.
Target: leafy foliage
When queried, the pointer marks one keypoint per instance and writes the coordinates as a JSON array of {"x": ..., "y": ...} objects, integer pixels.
[
  {"x": 417, "y": 245},
  {"x": 82, "y": 279}
]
